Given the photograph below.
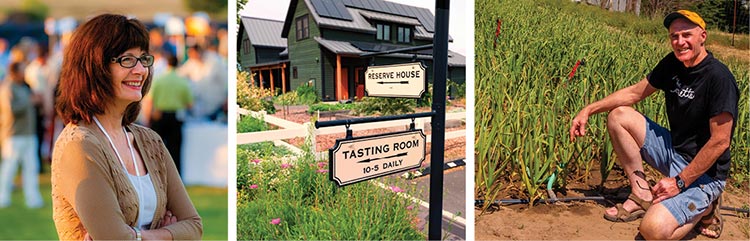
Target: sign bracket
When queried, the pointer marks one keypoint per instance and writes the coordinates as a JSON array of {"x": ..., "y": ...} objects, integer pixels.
[{"x": 348, "y": 131}]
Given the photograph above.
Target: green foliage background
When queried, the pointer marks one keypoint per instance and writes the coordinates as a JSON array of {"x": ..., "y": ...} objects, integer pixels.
[{"x": 525, "y": 100}]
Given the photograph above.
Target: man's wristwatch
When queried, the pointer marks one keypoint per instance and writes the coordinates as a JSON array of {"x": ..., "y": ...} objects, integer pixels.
[{"x": 680, "y": 182}]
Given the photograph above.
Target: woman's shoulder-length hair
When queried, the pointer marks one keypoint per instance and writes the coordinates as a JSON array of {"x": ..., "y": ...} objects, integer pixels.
[{"x": 85, "y": 88}]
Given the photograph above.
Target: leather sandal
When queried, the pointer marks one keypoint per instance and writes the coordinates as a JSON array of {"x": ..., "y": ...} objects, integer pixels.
[
  {"x": 712, "y": 221},
  {"x": 627, "y": 216}
]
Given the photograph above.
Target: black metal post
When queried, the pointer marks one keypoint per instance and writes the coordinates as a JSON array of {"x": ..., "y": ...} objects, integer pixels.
[{"x": 440, "y": 67}]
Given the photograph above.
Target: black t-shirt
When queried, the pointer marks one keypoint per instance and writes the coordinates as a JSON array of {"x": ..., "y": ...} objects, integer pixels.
[{"x": 694, "y": 95}]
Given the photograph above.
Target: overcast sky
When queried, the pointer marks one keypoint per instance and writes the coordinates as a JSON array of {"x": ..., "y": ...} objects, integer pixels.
[{"x": 276, "y": 9}]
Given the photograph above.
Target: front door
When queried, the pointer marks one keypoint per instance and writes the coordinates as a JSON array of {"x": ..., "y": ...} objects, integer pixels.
[
  {"x": 359, "y": 82},
  {"x": 344, "y": 84}
]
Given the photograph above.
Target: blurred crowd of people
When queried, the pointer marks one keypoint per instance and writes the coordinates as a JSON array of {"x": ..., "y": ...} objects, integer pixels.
[{"x": 189, "y": 85}]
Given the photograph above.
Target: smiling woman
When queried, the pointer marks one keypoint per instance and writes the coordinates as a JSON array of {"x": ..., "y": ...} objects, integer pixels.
[{"x": 112, "y": 179}]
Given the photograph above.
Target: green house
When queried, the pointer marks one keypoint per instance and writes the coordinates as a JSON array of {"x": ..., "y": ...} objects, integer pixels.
[
  {"x": 262, "y": 52},
  {"x": 328, "y": 43}
]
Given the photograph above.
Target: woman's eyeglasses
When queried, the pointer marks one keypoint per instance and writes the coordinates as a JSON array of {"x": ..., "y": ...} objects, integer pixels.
[{"x": 129, "y": 61}]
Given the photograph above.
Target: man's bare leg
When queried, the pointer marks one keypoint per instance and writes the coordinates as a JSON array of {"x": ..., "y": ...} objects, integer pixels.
[{"x": 627, "y": 130}]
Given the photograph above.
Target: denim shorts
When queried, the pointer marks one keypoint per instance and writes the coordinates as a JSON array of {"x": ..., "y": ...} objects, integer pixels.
[{"x": 657, "y": 151}]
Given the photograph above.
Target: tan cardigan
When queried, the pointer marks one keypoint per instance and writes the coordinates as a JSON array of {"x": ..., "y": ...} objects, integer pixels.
[{"x": 91, "y": 192}]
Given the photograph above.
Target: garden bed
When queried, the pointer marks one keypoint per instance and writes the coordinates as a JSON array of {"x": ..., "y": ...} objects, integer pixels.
[
  {"x": 583, "y": 219},
  {"x": 279, "y": 198}
]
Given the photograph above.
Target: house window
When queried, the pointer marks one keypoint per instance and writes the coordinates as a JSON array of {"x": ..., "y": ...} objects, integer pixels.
[
  {"x": 303, "y": 28},
  {"x": 246, "y": 46},
  {"x": 404, "y": 35},
  {"x": 384, "y": 32},
  {"x": 294, "y": 72}
]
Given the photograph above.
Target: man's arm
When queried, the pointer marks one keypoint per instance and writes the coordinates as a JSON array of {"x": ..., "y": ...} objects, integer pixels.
[
  {"x": 721, "y": 133},
  {"x": 624, "y": 97}
]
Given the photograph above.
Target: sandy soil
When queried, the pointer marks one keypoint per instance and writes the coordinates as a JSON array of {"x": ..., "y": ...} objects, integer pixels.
[{"x": 583, "y": 220}]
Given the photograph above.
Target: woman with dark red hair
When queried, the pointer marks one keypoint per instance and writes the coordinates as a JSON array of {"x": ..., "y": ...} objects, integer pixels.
[{"x": 113, "y": 179}]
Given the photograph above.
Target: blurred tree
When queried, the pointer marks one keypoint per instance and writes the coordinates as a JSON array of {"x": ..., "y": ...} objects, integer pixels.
[
  {"x": 713, "y": 12},
  {"x": 657, "y": 9},
  {"x": 240, "y": 7},
  {"x": 35, "y": 9},
  {"x": 213, "y": 8},
  {"x": 719, "y": 14}
]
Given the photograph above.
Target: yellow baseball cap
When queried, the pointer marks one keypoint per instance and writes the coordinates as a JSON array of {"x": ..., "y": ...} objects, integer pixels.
[{"x": 686, "y": 14}]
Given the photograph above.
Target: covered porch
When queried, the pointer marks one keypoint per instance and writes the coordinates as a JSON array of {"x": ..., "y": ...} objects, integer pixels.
[{"x": 272, "y": 76}]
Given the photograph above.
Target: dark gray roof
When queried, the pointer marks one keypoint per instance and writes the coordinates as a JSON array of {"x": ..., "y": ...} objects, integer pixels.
[
  {"x": 353, "y": 15},
  {"x": 339, "y": 47},
  {"x": 350, "y": 48},
  {"x": 268, "y": 63},
  {"x": 359, "y": 23},
  {"x": 424, "y": 15},
  {"x": 390, "y": 18},
  {"x": 264, "y": 32}
]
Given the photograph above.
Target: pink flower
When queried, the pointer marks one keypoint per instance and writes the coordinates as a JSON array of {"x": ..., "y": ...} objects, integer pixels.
[
  {"x": 322, "y": 171},
  {"x": 321, "y": 164},
  {"x": 286, "y": 165},
  {"x": 410, "y": 207},
  {"x": 396, "y": 189},
  {"x": 256, "y": 161},
  {"x": 276, "y": 221},
  {"x": 254, "y": 186}
]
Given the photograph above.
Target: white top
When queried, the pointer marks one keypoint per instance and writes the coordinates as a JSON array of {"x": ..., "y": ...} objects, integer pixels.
[
  {"x": 143, "y": 185},
  {"x": 147, "y": 202}
]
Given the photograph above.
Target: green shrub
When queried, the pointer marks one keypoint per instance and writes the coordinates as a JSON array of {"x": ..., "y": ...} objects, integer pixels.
[
  {"x": 253, "y": 98},
  {"x": 384, "y": 106},
  {"x": 251, "y": 124},
  {"x": 329, "y": 107},
  {"x": 285, "y": 100},
  {"x": 247, "y": 153},
  {"x": 459, "y": 90},
  {"x": 426, "y": 99},
  {"x": 307, "y": 95}
]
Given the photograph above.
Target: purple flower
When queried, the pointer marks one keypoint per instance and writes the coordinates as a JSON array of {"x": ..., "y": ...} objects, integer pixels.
[
  {"x": 410, "y": 207},
  {"x": 276, "y": 221},
  {"x": 285, "y": 165},
  {"x": 396, "y": 189},
  {"x": 322, "y": 171},
  {"x": 256, "y": 161},
  {"x": 321, "y": 164},
  {"x": 254, "y": 186}
]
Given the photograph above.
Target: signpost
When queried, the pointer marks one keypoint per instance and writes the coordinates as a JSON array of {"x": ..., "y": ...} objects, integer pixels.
[
  {"x": 396, "y": 80},
  {"x": 363, "y": 158}
]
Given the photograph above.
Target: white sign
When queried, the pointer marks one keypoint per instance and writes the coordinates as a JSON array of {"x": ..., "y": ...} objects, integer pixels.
[
  {"x": 398, "y": 80},
  {"x": 363, "y": 158}
]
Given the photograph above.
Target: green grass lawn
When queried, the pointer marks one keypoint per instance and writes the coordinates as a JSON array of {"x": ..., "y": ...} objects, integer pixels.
[{"x": 19, "y": 222}]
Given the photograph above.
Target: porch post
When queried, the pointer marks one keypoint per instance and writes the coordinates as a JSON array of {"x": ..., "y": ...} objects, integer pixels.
[
  {"x": 270, "y": 73},
  {"x": 283, "y": 78},
  {"x": 260, "y": 73},
  {"x": 338, "y": 77},
  {"x": 252, "y": 79}
]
